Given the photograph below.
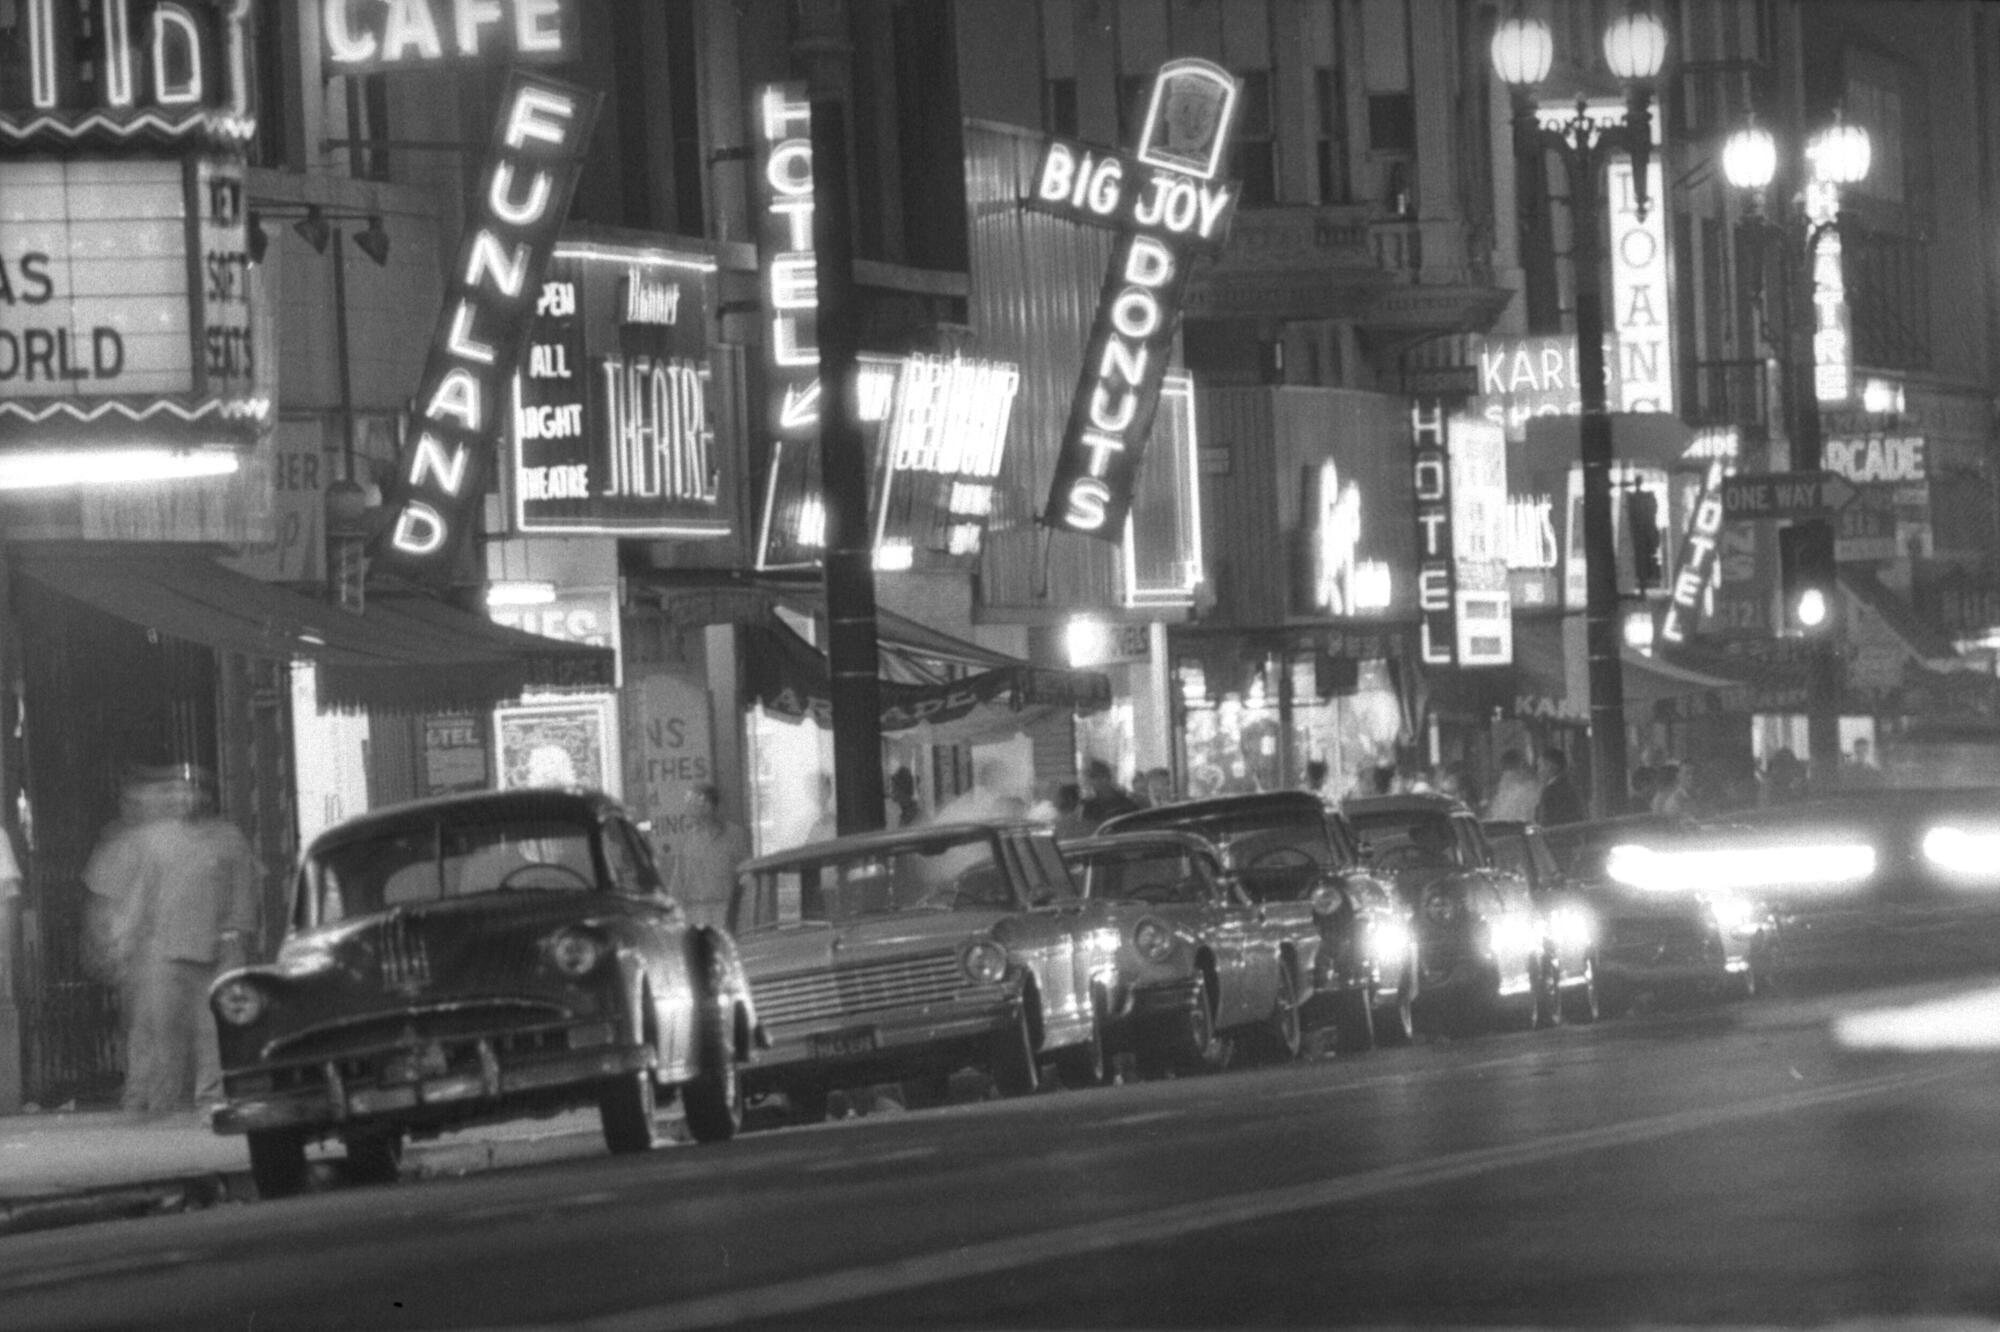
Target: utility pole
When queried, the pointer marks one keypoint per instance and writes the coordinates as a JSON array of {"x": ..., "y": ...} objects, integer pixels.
[{"x": 849, "y": 565}]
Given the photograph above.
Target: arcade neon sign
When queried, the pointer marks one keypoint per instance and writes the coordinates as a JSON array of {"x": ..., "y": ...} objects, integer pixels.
[
  {"x": 464, "y": 395},
  {"x": 1167, "y": 206}
]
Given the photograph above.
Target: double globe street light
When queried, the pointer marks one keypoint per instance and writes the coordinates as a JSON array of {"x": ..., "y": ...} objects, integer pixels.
[
  {"x": 1815, "y": 366},
  {"x": 1635, "y": 47}
]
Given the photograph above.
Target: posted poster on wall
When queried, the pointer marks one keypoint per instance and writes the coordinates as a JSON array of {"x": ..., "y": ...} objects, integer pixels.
[{"x": 557, "y": 742}]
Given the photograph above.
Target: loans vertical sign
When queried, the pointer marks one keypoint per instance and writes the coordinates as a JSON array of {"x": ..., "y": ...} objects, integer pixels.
[
  {"x": 1167, "y": 206},
  {"x": 464, "y": 394},
  {"x": 1641, "y": 304}
]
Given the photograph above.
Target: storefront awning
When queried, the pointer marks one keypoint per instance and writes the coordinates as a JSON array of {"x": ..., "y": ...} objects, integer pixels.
[
  {"x": 1552, "y": 673},
  {"x": 911, "y": 651},
  {"x": 403, "y": 653},
  {"x": 789, "y": 677}
]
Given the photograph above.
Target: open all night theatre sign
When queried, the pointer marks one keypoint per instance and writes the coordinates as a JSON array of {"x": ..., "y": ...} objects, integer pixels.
[{"x": 1167, "y": 206}]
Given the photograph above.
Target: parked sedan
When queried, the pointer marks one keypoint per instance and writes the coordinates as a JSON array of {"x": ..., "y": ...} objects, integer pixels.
[
  {"x": 1348, "y": 959},
  {"x": 1222, "y": 979},
  {"x": 471, "y": 958},
  {"x": 909, "y": 955},
  {"x": 1479, "y": 944},
  {"x": 1569, "y": 919},
  {"x": 1667, "y": 925}
]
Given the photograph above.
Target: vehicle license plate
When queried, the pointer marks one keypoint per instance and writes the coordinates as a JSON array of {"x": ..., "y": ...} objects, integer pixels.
[{"x": 840, "y": 1044}]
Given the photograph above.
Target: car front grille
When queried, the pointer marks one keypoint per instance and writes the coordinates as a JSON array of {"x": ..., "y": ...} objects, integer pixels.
[
  {"x": 865, "y": 988},
  {"x": 402, "y": 954}
]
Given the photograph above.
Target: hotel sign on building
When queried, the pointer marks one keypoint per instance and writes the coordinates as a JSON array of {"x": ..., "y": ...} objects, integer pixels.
[{"x": 614, "y": 423}]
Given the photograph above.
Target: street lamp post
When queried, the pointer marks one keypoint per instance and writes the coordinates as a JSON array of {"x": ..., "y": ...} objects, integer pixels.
[
  {"x": 1635, "y": 46},
  {"x": 1835, "y": 157}
]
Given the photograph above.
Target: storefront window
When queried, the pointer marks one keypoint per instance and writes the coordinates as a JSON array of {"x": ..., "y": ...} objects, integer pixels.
[{"x": 1258, "y": 737}]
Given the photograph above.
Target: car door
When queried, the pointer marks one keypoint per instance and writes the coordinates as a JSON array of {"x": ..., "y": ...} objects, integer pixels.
[
  {"x": 1241, "y": 940},
  {"x": 660, "y": 937},
  {"x": 1064, "y": 956}
]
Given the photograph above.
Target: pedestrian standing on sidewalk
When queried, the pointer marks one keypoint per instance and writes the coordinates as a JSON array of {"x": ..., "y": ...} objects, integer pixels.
[
  {"x": 706, "y": 857},
  {"x": 1516, "y": 792},
  {"x": 189, "y": 913}
]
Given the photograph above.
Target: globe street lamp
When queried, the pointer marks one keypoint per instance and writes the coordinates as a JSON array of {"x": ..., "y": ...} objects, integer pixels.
[
  {"x": 1635, "y": 46},
  {"x": 1815, "y": 366}
]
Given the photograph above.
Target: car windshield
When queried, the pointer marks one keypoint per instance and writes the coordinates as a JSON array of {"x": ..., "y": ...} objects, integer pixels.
[
  {"x": 1160, "y": 874},
  {"x": 958, "y": 872},
  {"x": 1407, "y": 841},
  {"x": 435, "y": 861},
  {"x": 1275, "y": 859}
]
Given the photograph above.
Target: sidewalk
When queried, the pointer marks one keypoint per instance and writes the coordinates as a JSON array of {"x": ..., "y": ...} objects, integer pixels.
[{"x": 70, "y": 1167}]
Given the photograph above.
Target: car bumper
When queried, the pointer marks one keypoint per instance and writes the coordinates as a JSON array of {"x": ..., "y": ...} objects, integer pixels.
[
  {"x": 320, "y": 1096},
  {"x": 832, "y": 1045}
]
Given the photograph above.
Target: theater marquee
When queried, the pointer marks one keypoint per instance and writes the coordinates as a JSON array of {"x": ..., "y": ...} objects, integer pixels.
[{"x": 614, "y": 427}]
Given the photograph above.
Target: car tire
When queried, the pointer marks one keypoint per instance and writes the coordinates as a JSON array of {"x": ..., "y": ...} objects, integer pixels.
[
  {"x": 1396, "y": 1021},
  {"x": 927, "y": 1091},
  {"x": 1011, "y": 1061},
  {"x": 625, "y": 1106},
  {"x": 277, "y": 1162},
  {"x": 713, "y": 1099},
  {"x": 808, "y": 1101},
  {"x": 1088, "y": 1064},
  {"x": 1548, "y": 998},
  {"x": 1279, "y": 1036},
  {"x": 374, "y": 1156},
  {"x": 1584, "y": 1002},
  {"x": 1354, "y": 1021},
  {"x": 1196, "y": 1047}
]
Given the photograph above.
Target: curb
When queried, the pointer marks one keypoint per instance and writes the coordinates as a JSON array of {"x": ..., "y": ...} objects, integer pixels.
[
  {"x": 114, "y": 1202},
  {"x": 203, "y": 1189}
]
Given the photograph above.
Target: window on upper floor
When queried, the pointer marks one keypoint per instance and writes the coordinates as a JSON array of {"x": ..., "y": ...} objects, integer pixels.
[
  {"x": 1059, "y": 107},
  {"x": 1256, "y": 139},
  {"x": 1333, "y": 179}
]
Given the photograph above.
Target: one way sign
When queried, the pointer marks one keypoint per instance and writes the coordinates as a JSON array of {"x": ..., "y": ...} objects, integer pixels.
[{"x": 1785, "y": 495}]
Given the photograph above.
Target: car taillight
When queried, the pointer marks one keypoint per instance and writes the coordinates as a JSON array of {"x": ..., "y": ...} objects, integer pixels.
[
  {"x": 239, "y": 1002},
  {"x": 576, "y": 952}
]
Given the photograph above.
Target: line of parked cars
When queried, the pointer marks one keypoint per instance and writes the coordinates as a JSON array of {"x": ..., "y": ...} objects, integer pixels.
[{"x": 484, "y": 956}]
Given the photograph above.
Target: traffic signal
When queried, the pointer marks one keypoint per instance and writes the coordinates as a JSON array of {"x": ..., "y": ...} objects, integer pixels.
[
  {"x": 1642, "y": 520},
  {"x": 1806, "y": 577}
]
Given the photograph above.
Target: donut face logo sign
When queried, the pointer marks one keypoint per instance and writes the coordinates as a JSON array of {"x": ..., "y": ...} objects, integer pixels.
[{"x": 1167, "y": 206}]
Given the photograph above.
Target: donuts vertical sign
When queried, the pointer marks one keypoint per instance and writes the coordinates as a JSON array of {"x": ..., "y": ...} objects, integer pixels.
[{"x": 1168, "y": 206}]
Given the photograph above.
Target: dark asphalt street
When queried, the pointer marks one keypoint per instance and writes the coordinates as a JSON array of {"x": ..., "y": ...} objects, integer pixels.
[{"x": 1716, "y": 1165}]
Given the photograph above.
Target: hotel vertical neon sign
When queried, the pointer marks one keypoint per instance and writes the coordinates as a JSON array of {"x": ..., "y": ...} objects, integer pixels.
[{"x": 463, "y": 398}]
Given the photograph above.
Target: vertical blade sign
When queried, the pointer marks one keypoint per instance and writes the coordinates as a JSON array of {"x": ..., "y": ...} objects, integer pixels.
[
  {"x": 524, "y": 194},
  {"x": 1167, "y": 206}
]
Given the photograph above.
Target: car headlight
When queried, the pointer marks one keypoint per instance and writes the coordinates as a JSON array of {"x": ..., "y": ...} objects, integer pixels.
[
  {"x": 1732, "y": 914},
  {"x": 1964, "y": 853},
  {"x": 1572, "y": 927},
  {"x": 985, "y": 962},
  {"x": 1153, "y": 940},
  {"x": 239, "y": 1002},
  {"x": 1512, "y": 932},
  {"x": 1804, "y": 864},
  {"x": 1388, "y": 940},
  {"x": 576, "y": 952}
]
